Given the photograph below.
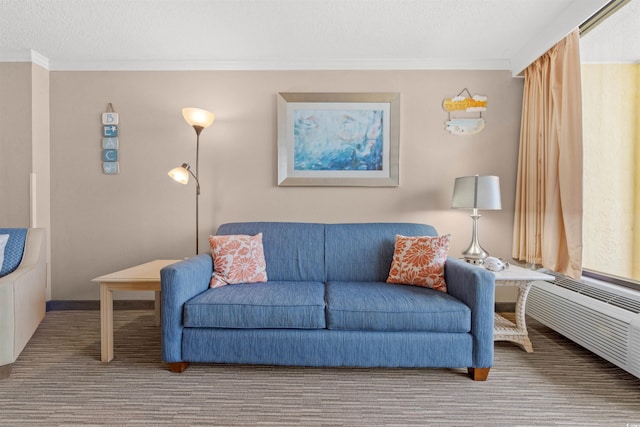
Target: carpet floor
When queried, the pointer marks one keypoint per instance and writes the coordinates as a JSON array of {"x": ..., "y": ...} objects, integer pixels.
[{"x": 59, "y": 381}]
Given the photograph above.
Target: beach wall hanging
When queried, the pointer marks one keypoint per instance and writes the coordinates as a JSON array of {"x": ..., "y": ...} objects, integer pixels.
[
  {"x": 110, "y": 141},
  {"x": 464, "y": 126}
]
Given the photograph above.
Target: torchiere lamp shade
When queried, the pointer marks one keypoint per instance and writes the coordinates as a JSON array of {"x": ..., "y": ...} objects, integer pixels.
[
  {"x": 180, "y": 174},
  {"x": 198, "y": 117}
]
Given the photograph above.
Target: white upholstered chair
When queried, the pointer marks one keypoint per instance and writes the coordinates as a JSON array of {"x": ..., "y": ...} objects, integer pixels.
[{"x": 22, "y": 299}]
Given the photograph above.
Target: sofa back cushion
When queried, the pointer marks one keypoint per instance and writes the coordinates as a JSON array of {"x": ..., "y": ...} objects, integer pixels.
[
  {"x": 292, "y": 251},
  {"x": 13, "y": 249},
  {"x": 363, "y": 252}
]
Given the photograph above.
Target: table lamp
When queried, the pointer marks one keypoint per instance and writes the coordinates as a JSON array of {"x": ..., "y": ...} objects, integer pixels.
[{"x": 477, "y": 193}]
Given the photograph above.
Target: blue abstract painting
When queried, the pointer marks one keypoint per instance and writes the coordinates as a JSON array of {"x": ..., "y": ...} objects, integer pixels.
[{"x": 338, "y": 140}]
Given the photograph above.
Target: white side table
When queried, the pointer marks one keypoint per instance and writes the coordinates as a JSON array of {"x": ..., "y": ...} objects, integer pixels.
[
  {"x": 505, "y": 330},
  {"x": 144, "y": 277}
]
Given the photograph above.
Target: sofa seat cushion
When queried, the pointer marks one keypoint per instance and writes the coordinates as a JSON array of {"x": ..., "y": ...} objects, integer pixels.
[
  {"x": 274, "y": 304},
  {"x": 379, "y": 306}
]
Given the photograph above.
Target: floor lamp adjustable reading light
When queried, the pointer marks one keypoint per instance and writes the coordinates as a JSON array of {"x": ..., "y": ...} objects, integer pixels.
[
  {"x": 476, "y": 192},
  {"x": 199, "y": 119}
]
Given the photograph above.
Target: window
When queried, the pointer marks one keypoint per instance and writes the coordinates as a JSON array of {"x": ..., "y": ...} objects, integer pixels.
[{"x": 610, "y": 55}]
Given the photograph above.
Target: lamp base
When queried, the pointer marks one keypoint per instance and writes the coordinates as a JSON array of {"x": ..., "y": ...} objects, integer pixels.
[
  {"x": 474, "y": 261},
  {"x": 475, "y": 258},
  {"x": 474, "y": 254}
]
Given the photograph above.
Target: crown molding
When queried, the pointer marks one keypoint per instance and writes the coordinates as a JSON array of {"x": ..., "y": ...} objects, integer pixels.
[
  {"x": 278, "y": 64},
  {"x": 24, "y": 55}
]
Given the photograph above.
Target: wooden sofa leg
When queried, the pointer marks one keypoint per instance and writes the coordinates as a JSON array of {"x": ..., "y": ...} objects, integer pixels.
[
  {"x": 178, "y": 367},
  {"x": 478, "y": 374},
  {"x": 5, "y": 371}
]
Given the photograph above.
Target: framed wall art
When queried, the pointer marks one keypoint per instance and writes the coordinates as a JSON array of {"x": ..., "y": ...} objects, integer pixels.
[{"x": 338, "y": 139}]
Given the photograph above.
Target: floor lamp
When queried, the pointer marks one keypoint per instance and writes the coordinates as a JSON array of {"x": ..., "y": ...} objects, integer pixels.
[
  {"x": 476, "y": 192},
  {"x": 199, "y": 119}
]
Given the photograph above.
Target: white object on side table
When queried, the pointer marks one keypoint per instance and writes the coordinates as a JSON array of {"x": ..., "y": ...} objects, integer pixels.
[
  {"x": 144, "y": 277},
  {"x": 505, "y": 330}
]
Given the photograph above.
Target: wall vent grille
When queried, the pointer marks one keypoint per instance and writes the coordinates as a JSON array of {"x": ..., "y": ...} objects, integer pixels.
[
  {"x": 602, "y": 321},
  {"x": 596, "y": 293},
  {"x": 591, "y": 329}
]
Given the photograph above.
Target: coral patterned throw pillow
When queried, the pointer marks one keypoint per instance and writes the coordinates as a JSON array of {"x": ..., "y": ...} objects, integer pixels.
[
  {"x": 420, "y": 261},
  {"x": 237, "y": 259}
]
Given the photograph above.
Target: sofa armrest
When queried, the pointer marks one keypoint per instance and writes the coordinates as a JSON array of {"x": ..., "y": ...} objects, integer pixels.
[
  {"x": 22, "y": 297},
  {"x": 180, "y": 282},
  {"x": 475, "y": 287}
]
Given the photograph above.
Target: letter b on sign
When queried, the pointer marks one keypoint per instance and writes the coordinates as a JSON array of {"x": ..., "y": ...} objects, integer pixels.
[{"x": 110, "y": 118}]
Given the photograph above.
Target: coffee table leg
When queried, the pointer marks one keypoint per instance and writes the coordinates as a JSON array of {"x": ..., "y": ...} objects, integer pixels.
[
  {"x": 157, "y": 307},
  {"x": 106, "y": 322}
]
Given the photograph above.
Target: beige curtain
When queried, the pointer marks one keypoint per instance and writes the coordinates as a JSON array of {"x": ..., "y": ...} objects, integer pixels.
[{"x": 548, "y": 212}]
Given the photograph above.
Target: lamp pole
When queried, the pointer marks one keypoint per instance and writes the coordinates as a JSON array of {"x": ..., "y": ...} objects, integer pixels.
[
  {"x": 198, "y": 130},
  {"x": 195, "y": 176}
]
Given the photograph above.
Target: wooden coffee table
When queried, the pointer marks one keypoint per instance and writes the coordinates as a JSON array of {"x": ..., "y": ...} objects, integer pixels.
[{"x": 143, "y": 277}]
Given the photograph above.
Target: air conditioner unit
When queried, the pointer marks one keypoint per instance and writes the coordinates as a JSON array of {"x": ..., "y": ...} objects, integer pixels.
[{"x": 602, "y": 318}]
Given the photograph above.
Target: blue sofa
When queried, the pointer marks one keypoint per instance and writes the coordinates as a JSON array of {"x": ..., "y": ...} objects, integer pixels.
[{"x": 326, "y": 303}]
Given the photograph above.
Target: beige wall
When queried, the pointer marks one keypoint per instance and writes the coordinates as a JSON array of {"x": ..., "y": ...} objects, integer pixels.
[
  {"x": 15, "y": 143},
  {"x": 104, "y": 223}
]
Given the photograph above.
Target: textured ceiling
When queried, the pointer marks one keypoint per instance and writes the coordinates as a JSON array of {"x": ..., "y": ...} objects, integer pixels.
[
  {"x": 288, "y": 34},
  {"x": 617, "y": 39}
]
